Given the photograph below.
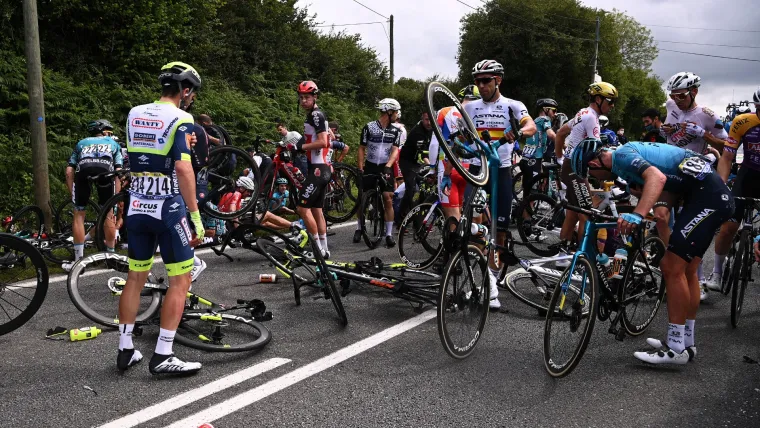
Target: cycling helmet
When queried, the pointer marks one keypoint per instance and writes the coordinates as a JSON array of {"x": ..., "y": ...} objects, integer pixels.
[
  {"x": 546, "y": 102},
  {"x": 603, "y": 121},
  {"x": 559, "y": 120},
  {"x": 388, "y": 104},
  {"x": 7, "y": 221},
  {"x": 488, "y": 66},
  {"x": 683, "y": 80},
  {"x": 583, "y": 153},
  {"x": 179, "y": 72},
  {"x": 246, "y": 183},
  {"x": 604, "y": 89},
  {"x": 756, "y": 97},
  {"x": 281, "y": 180},
  {"x": 307, "y": 87},
  {"x": 743, "y": 110},
  {"x": 469, "y": 92},
  {"x": 98, "y": 126}
]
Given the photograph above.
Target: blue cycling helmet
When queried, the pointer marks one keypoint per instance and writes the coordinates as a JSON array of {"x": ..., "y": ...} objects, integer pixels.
[
  {"x": 281, "y": 180},
  {"x": 584, "y": 152}
]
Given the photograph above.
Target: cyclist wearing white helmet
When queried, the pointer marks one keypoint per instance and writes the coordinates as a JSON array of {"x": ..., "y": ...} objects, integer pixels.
[
  {"x": 607, "y": 135},
  {"x": 378, "y": 150}
]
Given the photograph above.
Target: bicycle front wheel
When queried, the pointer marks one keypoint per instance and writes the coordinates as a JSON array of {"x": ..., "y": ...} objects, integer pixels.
[
  {"x": 531, "y": 288},
  {"x": 342, "y": 194},
  {"x": 225, "y": 165},
  {"x": 23, "y": 282},
  {"x": 420, "y": 236},
  {"x": 643, "y": 287},
  {"x": 743, "y": 261},
  {"x": 221, "y": 332},
  {"x": 372, "y": 218},
  {"x": 463, "y": 302},
  {"x": 570, "y": 318}
]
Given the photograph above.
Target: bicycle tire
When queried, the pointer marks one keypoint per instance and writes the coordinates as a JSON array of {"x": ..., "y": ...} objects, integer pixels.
[
  {"x": 116, "y": 202},
  {"x": 527, "y": 288},
  {"x": 744, "y": 262},
  {"x": 576, "y": 314},
  {"x": 411, "y": 236},
  {"x": 728, "y": 271},
  {"x": 369, "y": 211},
  {"x": 433, "y": 88},
  {"x": 473, "y": 295},
  {"x": 652, "y": 288},
  {"x": 194, "y": 338},
  {"x": 10, "y": 288},
  {"x": 25, "y": 229},
  {"x": 337, "y": 199},
  {"x": 517, "y": 188},
  {"x": 328, "y": 285},
  {"x": 64, "y": 217},
  {"x": 290, "y": 263},
  {"x": 545, "y": 224},
  {"x": 733, "y": 280},
  {"x": 107, "y": 312},
  {"x": 219, "y": 159}
]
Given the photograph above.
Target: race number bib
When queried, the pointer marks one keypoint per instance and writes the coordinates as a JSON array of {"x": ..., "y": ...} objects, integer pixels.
[
  {"x": 695, "y": 167},
  {"x": 152, "y": 185},
  {"x": 529, "y": 151}
]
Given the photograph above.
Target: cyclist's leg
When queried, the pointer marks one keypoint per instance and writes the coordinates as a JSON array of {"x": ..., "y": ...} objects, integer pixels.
[
  {"x": 106, "y": 190},
  {"x": 662, "y": 209},
  {"x": 81, "y": 197},
  {"x": 409, "y": 170},
  {"x": 504, "y": 207},
  {"x": 388, "y": 213},
  {"x": 312, "y": 196},
  {"x": 571, "y": 217},
  {"x": 743, "y": 186},
  {"x": 318, "y": 213}
]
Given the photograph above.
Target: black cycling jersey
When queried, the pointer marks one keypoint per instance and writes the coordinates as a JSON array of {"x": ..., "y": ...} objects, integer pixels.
[
  {"x": 417, "y": 140},
  {"x": 199, "y": 153}
]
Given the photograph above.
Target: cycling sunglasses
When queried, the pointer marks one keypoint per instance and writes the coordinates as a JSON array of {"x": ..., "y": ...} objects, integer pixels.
[
  {"x": 483, "y": 80},
  {"x": 679, "y": 97},
  {"x": 611, "y": 101}
]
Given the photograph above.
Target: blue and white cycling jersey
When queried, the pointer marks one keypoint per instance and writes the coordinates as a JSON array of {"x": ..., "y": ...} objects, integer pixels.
[{"x": 680, "y": 166}]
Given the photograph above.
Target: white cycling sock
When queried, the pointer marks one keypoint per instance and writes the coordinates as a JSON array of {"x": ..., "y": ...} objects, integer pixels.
[
  {"x": 358, "y": 224},
  {"x": 700, "y": 274},
  {"x": 389, "y": 228},
  {"x": 78, "y": 251},
  {"x": 675, "y": 337},
  {"x": 125, "y": 336},
  {"x": 718, "y": 266},
  {"x": 319, "y": 244},
  {"x": 87, "y": 237},
  {"x": 165, "y": 341},
  {"x": 688, "y": 333},
  {"x": 196, "y": 261},
  {"x": 323, "y": 242}
]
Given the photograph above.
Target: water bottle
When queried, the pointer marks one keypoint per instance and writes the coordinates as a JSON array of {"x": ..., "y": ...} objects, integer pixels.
[
  {"x": 604, "y": 261},
  {"x": 84, "y": 333},
  {"x": 479, "y": 231},
  {"x": 619, "y": 262}
]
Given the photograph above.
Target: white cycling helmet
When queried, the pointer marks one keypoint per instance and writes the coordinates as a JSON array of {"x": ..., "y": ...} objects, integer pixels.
[
  {"x": 488, "y": 66},
  {"x": 246, "y": 183},
  {"x": 388, "y": 104},
  {"x": 756, "y": 97},
  {"x": 604, "y": 121},
  {"x": 743, "y": 110},
  {"x": 683, "y": 80}
]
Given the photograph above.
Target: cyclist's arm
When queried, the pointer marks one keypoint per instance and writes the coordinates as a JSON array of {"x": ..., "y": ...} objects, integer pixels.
[
  {"x": 394, "y": 151},
  {"x": 70, "y": 178},
  {"x": 183, "y": 166},
  {"x": 528, "y": 126},
  {"x": 654, "y": 182},
  {"x": 715, "y": 141},
  {"x": 550, "y": 134},
  {"x": 343, "y": 153},
  {"x": 323, "y": 141},
  {"x": 559, "y": 142}
]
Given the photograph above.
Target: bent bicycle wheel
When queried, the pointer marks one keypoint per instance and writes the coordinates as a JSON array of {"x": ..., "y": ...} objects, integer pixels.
[
  {"x": 531, "y": 288},
  {"x": 23, "y": 282},
  {"x": 437, "y": 98},
  {"x": 420, "y": 236},
  {"x": 463, "y": 302},
  {"x": 643, "y": 288},
  {"x": 221, "y": 332}
]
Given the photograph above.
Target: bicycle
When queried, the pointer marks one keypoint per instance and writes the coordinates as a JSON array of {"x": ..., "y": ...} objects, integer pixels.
[
  {"x": 372, "y": 210},
  {"x": 23, "y": 282},
  {"x": 740, "y": 260},
  {"x": 576, "y": 302},
  {"x": 96, "y": 282}
]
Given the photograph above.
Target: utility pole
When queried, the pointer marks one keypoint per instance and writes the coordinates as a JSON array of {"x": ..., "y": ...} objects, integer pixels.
[
  {"x": 596, "y": 51},
  {"x": 393, "y": 86},
  {"x": 40, "y": 179}
]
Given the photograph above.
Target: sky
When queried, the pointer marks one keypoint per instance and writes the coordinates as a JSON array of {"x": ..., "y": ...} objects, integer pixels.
[{"x": 433, "y": 25}]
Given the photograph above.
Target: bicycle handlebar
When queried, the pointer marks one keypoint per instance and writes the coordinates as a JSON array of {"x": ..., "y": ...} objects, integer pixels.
[
  {"x": 593, "y": 212},
  {"x": 109, "y": 174}
]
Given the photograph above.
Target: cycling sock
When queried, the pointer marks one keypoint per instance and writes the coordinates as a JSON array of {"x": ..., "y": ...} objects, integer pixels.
[
  {"x": 125, "y": 336},
  {"x": 165, "y": 341},
  {"x": 196, "y": 261},
  {"x": 700, "y": 274},
  {"x": 323, "y": 242},
  {"x": 358, "y": 224},
  {"x": 87, "y": 237},
  {"x": 718, "y": 266},
  {"x": 389, "y": 228},
  {"x": 316, "y": 238},
  {"x": 675, "y": 337},
  {"x": 110, "y": 249},
  {"x": 494, "y": 272},
  {"x": 688, "y": 334},
  {"x": 78, "y": 251}
]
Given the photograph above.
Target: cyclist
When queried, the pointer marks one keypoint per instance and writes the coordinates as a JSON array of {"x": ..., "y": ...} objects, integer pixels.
[
  {"x": 745, "y": 132},
  {"x": 293, "y": 137},
  {"x": 315, "y": 143},
  {"x": 606, "y": 133},
  {"x": 491, "y": 115},
  {"x": 279, "y": 202},
  {"x": 585, "y": 124},
  {"x": 467, "y": 94},
  {"x": 378, "y": 150},
  {"x": 652, "y": 124},
  {"x": 418, "y": 139},
  {"x": 655, "y": 167},
  {"x": 94, "y": 155},
  {"x": 559, "y": 121},
  {"x": 159, "y": 136}
]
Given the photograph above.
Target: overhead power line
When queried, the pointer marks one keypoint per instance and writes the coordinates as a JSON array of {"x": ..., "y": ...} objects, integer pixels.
[
  {"x": 712, "y": 56},
  {"x": 369, "y": 8},
  {"x": 709, "y": 44},
  {"x": 704, "y": 29},
  {"x": 346, "y": 25},
  {"x": 460, "y": 1}
]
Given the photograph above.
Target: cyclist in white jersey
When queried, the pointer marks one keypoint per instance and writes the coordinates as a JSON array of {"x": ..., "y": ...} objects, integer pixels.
[{"x": 491, "y": 116}]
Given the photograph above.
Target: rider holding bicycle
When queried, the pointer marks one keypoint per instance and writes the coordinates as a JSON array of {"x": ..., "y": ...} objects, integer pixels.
[
  {"x": 94, "y": 155},
  {"x": 657, "y": 167},
  {"x": 159, "y": 137},
  {"x": 378, "y": 151}
]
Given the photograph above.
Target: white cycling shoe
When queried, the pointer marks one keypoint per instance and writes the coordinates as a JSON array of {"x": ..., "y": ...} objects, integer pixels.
[
  {"x": 494, "y": 302},
  {"x": 657, "y": 344}
]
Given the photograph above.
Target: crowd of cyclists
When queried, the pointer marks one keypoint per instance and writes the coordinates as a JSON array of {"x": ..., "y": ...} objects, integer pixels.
[{"x": 678, "y": 171}]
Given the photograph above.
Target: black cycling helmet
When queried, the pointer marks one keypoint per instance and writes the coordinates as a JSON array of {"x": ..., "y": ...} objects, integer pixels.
[
  {"x": 587, "y": 150},
  {"x": 97, "y": 127},
  {"x": 546, "y": 102},
  {"x": 180, "y": 73}
]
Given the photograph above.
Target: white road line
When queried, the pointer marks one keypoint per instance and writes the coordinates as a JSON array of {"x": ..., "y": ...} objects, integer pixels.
[
  {"x": 174, "y": 403},
  {"x": 251, "y": 396}
]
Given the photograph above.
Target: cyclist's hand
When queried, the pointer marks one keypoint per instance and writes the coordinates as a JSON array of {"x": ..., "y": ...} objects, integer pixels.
[
  {"x": 757, "y": 251},
  {"x": 193, "y": 140},
  {"x": 200, "y": 231},
  {"x": 388, "y": 173},
  {"x": 290, "y": 146},
  {"x": 693, "y": 129},
  {"x": 628, "y": 221},
  {"x": 446, "y": 185}
]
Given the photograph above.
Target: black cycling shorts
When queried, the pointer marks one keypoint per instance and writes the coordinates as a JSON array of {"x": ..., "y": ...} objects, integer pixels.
[
  {"x": 746, "y": 185},
  {"x": 369, "y": 180},
  {"x": 313, "y": 193},
  {"x": 708, "y": 205},
  {"x": 578, "y": 190},
  {"x": 80, "y": 193}
]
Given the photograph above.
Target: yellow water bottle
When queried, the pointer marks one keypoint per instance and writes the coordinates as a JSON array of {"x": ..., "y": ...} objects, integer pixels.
[{"x": 84, "y": 333}]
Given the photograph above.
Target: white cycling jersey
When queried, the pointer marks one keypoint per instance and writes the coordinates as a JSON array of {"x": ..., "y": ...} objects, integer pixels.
[
  {"x": 584, "y": 125},
  {"x": 702, "y": 117},
  {"x": 494, "y": 118}
]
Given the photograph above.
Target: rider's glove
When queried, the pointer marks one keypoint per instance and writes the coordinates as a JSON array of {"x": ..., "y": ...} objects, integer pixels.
[
  {"x": 445, "y": 183},
  {"x": 757, "y": 239},
  {"x": 694, "y": 130},
  {"x": 633, "y": 218},
  {"x": 388, "y": 173},
  {"x": 195, "y": 217}
]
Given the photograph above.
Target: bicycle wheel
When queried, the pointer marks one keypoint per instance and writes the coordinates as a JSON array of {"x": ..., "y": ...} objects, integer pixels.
[
  {"x": 23, "y": 282},
  {"x": 113, "y": 216},
  {"x": 570, "y": 318},
  {"x": 372, "y": 218},
  {"x": 64, "y": 217},
  {"x": 733, "y": 279},
  {"x": 463, "y": 302},
  {"x": 744, "y": 259},
  {"x": 530, "y": 288},
  {"x": 340, "y": 197},
  {"x": 543, "y": 223},
  {"x": 420, "y": 236},
  {"x": 326, "y": 279},
  {"x": 728, "y": 268},
  {"x": 643, "y": 287},
  {"x": 97, "y": 293},
  {"x": 291, "y": 262},
  {"x": 221, "y": 332},
  {"x": 517, "y": 187},
  {"x": 437, "y": 98},
  {"x": 27, "y": 222},
  {"x": 225, "y": 165}
]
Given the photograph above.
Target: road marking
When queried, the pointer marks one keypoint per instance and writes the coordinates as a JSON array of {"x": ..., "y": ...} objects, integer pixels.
[
  {"x": 251, "y": 396},
  {"x": 174, "y": 403}
]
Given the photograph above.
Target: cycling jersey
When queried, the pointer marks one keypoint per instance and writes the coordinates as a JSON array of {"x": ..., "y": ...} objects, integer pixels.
[
  {"x": 745, "y": 132},
  {"x": 494, "y": 118},
  {"x": 584, "y": 125},
  {"x": 612, "y": 139},
  {"x": 680, "y": 166},
  {"x": 379, "y": 142},
  {"x": 101, "y": 152},
  {"x": 315, "y": 124},
  {"x": 701, "y": 116},
  {"x": 535, "y": 146}
]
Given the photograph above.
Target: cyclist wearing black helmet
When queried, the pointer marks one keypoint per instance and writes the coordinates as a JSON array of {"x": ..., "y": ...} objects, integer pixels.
[
  {"x": 162, "y": 192},
  {"x": 657, "y": 167},
  {"x": 94, "y": 155}
]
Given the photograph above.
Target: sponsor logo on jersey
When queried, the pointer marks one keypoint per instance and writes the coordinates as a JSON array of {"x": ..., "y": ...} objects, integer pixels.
[
  {"x": 181, "y": 233},
  {"x": 188, "y": 140},
  {"x": 142, "y": 207},
  {"x": 695, "y": 221},
  {"x": 140, "y": 122},
  {"x": 174, "y": 207},
  {"x": 169, "y": 128},
  {"x": 708, "y": 112},
  {"x": 724, "y": 197},
  {"x": 738, "y": 123},
  {"x": 143, "y": 159},
  {"x": 141, "y": 136}
]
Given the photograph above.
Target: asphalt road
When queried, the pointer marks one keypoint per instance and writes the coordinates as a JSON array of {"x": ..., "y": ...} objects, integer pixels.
[{"x": 386, "y": 368}]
